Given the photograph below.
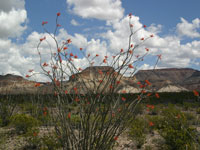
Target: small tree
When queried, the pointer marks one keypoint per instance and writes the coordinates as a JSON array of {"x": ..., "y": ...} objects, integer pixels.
[{"x": 101, "y": 113}]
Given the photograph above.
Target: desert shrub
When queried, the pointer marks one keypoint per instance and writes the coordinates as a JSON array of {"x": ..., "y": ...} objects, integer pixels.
[
  {"x": 103, "y": 112},
  {"x": 157, "y": 120},
  {"x": 176, "y": 131},
  {"x": 187, "y": 106},
  {"x": 6, "y": 111},
  {"x": 198, "y": 111},
  {"x": 137, "y": 131},
  {"x": 47, "y": 141},
  {"x": 22, "y": 123}
]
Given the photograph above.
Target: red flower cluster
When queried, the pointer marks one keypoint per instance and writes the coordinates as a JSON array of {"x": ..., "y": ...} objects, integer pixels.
[
  {"x": 44, "y": 22},
  {"x": 37, "y": 84},
  {"x": 195, "y": 93}
]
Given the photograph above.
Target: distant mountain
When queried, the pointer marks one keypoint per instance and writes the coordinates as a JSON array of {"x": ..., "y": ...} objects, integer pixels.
[
  {"x": 162, "y": 80},
  {"x": 14, "y": 84},
  {"x": 180, "y": 77}
]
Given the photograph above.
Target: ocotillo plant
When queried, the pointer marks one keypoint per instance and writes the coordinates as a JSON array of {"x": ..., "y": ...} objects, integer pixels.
[{"x": 90, "y": 114}]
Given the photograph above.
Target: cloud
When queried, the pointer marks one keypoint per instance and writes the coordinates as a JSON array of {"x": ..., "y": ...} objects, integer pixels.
[
  {"x": 188, "y": 29},
  {"x": 98, "y": 9},
  {"x": 8, "y": 5},
  {"x": 74, "y": 22},
  {"x": 13, "y": 17},
  {"x": 174, "y": 52}
]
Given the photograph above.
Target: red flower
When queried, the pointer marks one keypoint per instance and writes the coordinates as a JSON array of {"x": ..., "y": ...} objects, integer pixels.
[
  {"x": 81, "y": 49},
  {"x": 75, "y": 56},
  {"x": 35, "y": 134},
  {"x": 45, "y": 64},
  {"x": 44, "y": 22},
  {"x": 130, "y": 66},
  {"x": 71, "y": 54},
  {"x": 37, "y": 84},
  {"x": 144, "y": 26},
  {"x": 44, "y": 113},
  {"x": 130, "y": 15},
  {"x": 122, "y": 50},
  {"x": 130, "y": 51},
  {"x": 97, "y": 55},
  {"x": 104, "y": 61},
  {"x": 69, "y": 41},
  {"x": 55, "y": 67},
  {"x": 27, "y": 76},
  {"x": 100, "y": 81},
  {"x": 65, "y": 48},
  {"x": 131, "y": 45},
  {"x": 123, "y": 98},
  {"x": 139, "y": 83},
  {"x": 116, "y": 138},
  {"x": 152, "y": 35},
  {"x": 59, "y": 50},
  {"x": 100, "y": 72},
  {"x": 147, "y": 82},
  {"x": 143, "y": 91},
  {"x": 149, "y": 94},
  {"x": 124, "y": 91},
  {"x": 151, "y": 124},
  {"x": 58, "y": 25},
  {"x": 118, "y": 82},
  {"x": 77, "y": 99},
  {"x": 69, "y": 115},
  {"x": 66, "y": 91},
  {"x": 58, "y": 14},
  {"x": 147, "y": 49},
  {"x": 195, "y": 93},
  {"x": 142, "y": 39},
  {"x": 157, "y": 95},
  {"x": 42, "y": 39}
]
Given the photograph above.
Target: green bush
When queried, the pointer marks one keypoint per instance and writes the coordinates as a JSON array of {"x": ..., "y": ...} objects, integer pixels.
[
  {"x": 22, "y": 122},
  {"x": 176, "y": 131},
  {"x": 43, "y": 142},
  {"x": 6, "y": 111},
  {"x": 198, "y": 111},
  {"x": 138, "y": 130}
]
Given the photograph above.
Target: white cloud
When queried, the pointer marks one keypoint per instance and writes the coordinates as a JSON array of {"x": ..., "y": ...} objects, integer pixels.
[
  {"x": 174, "y": 53},
  {"x": 8, "y": 5},
  {"x": 11, "y": 23},
  {"x": 13, "y": 17},
  {"x": 98, "y": 9},
  {"x": 155, "y": 28},
  {"x": 189, "y": 29},
  {"x": 74, "y": 22}
]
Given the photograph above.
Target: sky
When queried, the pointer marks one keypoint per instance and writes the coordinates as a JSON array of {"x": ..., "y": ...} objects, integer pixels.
[{"x": 99, "y": 27}]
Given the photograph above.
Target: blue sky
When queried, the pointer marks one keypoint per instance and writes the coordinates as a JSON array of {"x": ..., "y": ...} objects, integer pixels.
[{"x": 100, "y": 26}]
